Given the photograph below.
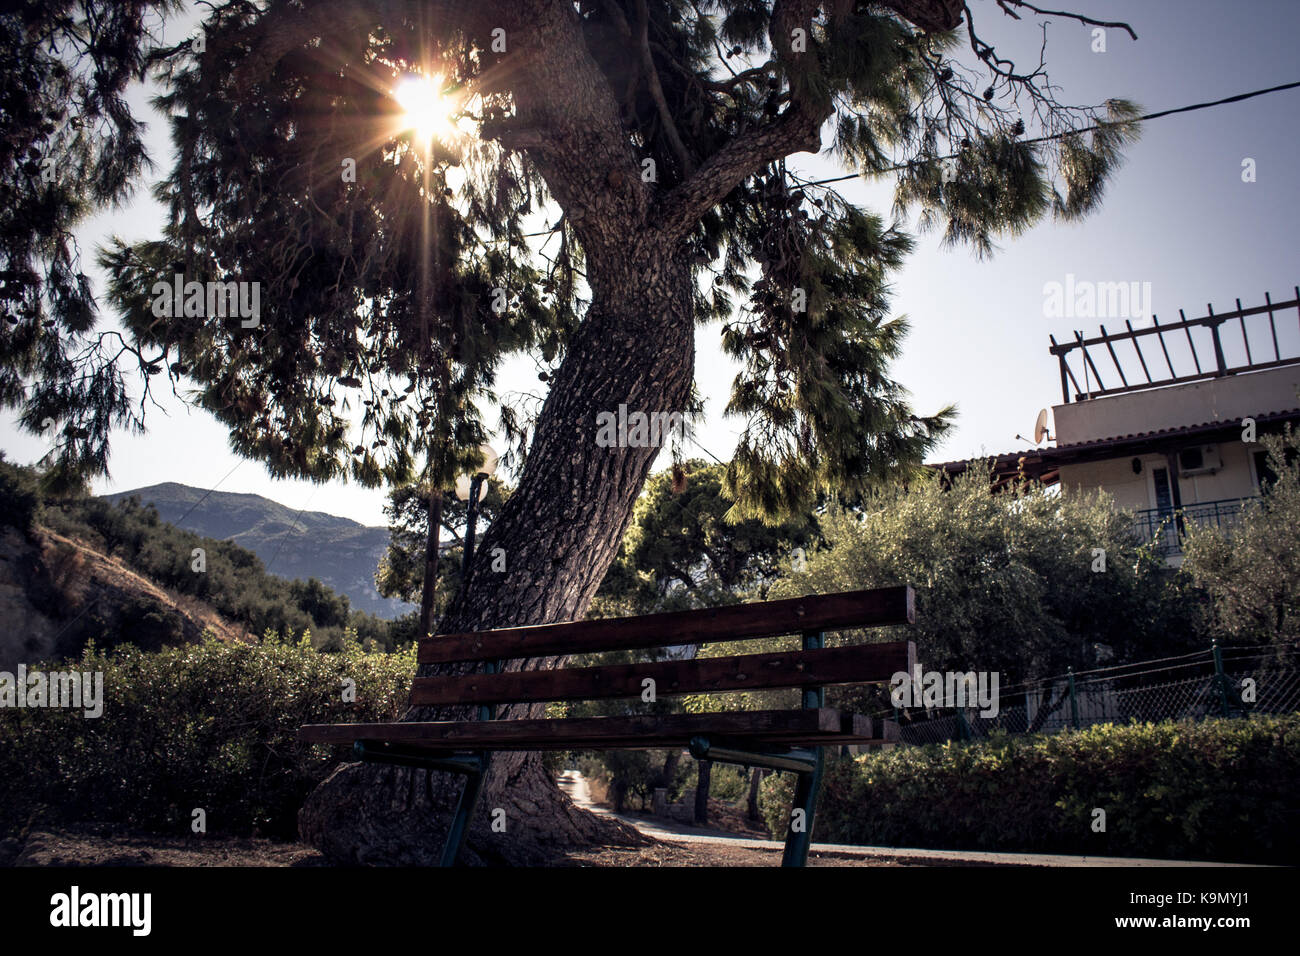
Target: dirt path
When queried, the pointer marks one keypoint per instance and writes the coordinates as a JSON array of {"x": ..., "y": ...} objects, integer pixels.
[
  {"x": 682, "y": 845},
  {"x": 699, "y": 846}
]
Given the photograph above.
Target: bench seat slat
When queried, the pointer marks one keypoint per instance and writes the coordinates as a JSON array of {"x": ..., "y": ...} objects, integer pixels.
[
  {"x": 821, "y": 612},
  {"x": 822, "y": 725},
  {"x": 858, "y": 664}
]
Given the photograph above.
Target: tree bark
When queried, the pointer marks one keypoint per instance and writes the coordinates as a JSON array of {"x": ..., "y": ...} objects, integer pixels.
[
  {"x": 669, "y": 771},
  {"x": 560, "y": 530},
  {"x": 702, "y": 793},
  {"x": 755, "y": 781}
]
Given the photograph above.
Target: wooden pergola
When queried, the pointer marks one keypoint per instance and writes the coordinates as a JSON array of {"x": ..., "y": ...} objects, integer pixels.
[{"x": 1207, "y": 356}]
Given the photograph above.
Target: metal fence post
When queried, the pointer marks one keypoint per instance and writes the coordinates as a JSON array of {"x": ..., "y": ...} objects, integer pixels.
[
  {"x": 963, "y": 731},
  {"x": 1221, "y": 679},
  {"x": 1074, "y": 700}
]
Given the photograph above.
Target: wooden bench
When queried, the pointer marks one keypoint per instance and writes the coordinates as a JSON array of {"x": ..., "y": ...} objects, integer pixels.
[{"x": 791, "y": 740}]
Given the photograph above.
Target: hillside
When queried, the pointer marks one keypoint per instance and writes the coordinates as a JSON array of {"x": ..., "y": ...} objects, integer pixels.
[
  {"x": 338, "y": 552},
  {"x": 55, "y": 593}
]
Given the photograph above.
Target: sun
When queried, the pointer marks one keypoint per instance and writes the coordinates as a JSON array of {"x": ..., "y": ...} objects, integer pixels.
[{"x": 425, "y": 109}]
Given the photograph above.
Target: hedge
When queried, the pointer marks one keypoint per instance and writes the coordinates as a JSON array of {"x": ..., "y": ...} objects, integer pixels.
[
  {"x": 1221, "y": 790},
  {"x": 210, "y": 726}
]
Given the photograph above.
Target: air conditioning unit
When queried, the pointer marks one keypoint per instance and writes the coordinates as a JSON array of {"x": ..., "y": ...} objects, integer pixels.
[{"x": 1199, "y": 460}]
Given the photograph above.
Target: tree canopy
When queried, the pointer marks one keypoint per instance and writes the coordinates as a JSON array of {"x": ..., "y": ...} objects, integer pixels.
[{"x": 396, "y": 273}]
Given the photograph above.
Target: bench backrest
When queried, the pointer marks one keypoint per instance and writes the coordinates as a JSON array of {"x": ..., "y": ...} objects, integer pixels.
[{"x": 816, "y": 667}]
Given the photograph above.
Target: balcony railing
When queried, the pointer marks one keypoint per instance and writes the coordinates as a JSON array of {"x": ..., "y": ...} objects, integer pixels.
[{"x": 1161, "y": 526}]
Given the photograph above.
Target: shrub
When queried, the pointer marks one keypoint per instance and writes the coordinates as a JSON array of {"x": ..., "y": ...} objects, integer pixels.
[
  {"x": 1224, "y": 790},
  {"x": 633, "y": 773},
  {"x": 1251, "y": 570},
  {"x": 209, "y": 726},
  {"x": 1004, "y": 582}
]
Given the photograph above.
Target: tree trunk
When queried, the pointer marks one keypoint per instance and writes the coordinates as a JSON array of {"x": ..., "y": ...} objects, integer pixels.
[
  {"x": 430, "y": 591},
  {"x": 560, "y": 530},
  {"x": 702, "y": 793},
  {"x": 669, "y": 771},
  {"x": 755, "y": 781}
]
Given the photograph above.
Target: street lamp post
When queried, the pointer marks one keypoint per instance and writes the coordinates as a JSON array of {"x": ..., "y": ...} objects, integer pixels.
[{"x": 471, "y": 489}]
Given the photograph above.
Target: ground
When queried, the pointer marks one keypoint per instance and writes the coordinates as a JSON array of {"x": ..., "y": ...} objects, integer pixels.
[
  {"x": 78, "y": 848},
  {"x": 676, "y": 845}
]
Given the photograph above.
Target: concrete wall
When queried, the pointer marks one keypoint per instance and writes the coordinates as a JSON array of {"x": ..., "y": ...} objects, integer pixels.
[
  {"x": 1236, "y": 479},
  {"x": 1115, "y": 476},
  {"x": 1230, "y": 398}
]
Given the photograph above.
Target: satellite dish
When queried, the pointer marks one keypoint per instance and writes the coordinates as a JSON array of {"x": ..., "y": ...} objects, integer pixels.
[{"x": 1040, "y": 428}]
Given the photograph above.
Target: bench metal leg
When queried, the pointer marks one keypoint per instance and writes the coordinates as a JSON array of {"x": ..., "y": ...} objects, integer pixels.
[
  {"x": 798, "y": 840},
  {"x": 805, "y": 763},
  {"x": 472, "y": 766},
  {"x": 459, "y": 829}
]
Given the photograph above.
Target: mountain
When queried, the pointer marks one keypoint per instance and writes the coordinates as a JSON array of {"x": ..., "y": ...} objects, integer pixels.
[{"x": 336, "y": 551}]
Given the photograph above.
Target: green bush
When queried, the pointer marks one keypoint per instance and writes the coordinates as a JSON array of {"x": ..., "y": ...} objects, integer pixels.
[
  {"x": 1225, "y": 790},
  {"x": 1004, "y": 582},
  {"x": 1251, "y": 569},
  {"x": 727, "y": 783},
  {"x": 208, "y": 726},
  {"x": 634, "y": 773}
]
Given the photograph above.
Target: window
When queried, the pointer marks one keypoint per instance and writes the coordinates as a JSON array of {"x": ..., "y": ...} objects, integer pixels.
[
  {"x": 1264, "y": 475},
  {"x": 1164, "y": 496}
]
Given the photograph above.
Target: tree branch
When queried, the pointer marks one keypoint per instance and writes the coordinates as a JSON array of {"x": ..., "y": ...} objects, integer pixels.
[
  {"x": 1116, "y": 24},
  {"x": 284, "y": 28},
  {"x": 569, "y": 122},
  {"x": 657, "y": 90},
  {"x": 798, "y": 129},
  {"x": 933, "y": 16}
]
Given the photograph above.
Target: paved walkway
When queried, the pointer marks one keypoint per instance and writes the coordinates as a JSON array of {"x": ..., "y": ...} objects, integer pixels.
[{"x": 574, "y": 784}]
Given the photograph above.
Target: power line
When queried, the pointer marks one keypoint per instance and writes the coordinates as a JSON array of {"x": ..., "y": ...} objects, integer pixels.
[
  {"x": 694, "y": 441},
  {"x": 1087, "y": 129},
  {"x": 293, "y": 526},
  {"x": 206, "y": 493}
]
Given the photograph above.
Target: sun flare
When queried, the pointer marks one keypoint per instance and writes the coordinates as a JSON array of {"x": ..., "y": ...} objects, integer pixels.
[{"x": 425, "y": 109}]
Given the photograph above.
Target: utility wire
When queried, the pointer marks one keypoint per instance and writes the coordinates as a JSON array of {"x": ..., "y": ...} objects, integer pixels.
[
  {"x": 293, "y": 526},
  {"x": 1087, "y": 129},
  {"x": 178, "y": 521}
]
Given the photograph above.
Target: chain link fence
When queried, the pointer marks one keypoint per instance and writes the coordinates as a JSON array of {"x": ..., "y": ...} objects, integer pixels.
[{"x": 1216, "y": 682}]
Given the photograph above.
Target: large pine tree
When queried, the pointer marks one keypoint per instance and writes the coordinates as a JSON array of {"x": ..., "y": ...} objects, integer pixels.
[{"x": 647, "y": 142}]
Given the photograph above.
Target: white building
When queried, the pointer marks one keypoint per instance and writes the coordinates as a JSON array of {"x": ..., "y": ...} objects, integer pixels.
[{"x": 1166, "y": 429}]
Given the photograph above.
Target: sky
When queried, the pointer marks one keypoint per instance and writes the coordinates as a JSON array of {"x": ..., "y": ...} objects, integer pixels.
[{"x": 1177, "y": 215}]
